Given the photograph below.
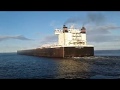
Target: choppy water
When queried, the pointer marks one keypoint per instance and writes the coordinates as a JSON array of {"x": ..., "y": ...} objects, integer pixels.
[{"x": 105, "y": 65}]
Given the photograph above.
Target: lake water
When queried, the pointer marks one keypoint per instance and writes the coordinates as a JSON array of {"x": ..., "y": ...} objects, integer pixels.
[{"x": 104, "y": 65}]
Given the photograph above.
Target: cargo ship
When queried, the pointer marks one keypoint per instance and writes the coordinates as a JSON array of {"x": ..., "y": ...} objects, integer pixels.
[{"x": 71, "y": 43}]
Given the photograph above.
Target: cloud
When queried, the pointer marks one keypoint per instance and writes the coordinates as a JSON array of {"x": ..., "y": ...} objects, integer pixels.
[
  {"x": 20, "y": 37},
  {"x": 99, "y": 34},
  {"x": 96, "y": 18},
  {"x": 103, "y": 38},
  {"x": 72, "y": 20},
  {"x": 101, "y": 29},
  {"x": 49, "y": 39}
]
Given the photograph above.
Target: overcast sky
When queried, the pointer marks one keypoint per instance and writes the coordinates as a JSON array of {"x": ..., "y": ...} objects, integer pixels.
[{"x": 31, "y": 29}]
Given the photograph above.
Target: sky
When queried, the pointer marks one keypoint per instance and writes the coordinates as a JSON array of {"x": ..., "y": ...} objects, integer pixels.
[{"x": 31, "y": 29}]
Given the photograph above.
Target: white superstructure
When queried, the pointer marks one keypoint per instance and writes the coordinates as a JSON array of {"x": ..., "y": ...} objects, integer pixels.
[{"x": 68, "y": 37}]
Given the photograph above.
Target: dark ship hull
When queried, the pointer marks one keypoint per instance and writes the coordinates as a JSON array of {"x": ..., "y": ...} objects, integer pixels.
[{"x": 59, "y": 52}]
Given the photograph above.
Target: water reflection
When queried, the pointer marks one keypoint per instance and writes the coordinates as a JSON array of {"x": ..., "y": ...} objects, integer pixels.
[{"x": 70, "y": 68}]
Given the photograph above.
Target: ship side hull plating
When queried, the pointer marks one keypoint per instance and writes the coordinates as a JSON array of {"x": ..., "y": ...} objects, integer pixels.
[{"x": 59, "y": 52}]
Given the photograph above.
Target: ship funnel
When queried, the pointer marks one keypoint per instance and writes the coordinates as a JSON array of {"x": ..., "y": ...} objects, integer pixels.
[
  {"x": 83, "y": 30},
  {"x": 65, "y": 28}
]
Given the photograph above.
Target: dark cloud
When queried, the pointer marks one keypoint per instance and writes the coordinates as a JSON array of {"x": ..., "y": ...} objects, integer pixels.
[
  {"x": 99, "y": 34},
  {"x": 103, "y": 38},
  {"x": 49, "y": 39},
  {"x": 20, "y": 37},
  {"x": 104, "y": 29},
  {"x": 72, "y": 20},
  {"x": 96, "y": 18},
  {"x": 99, "y": 30},
  {"x": 108, "y": 27}
]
